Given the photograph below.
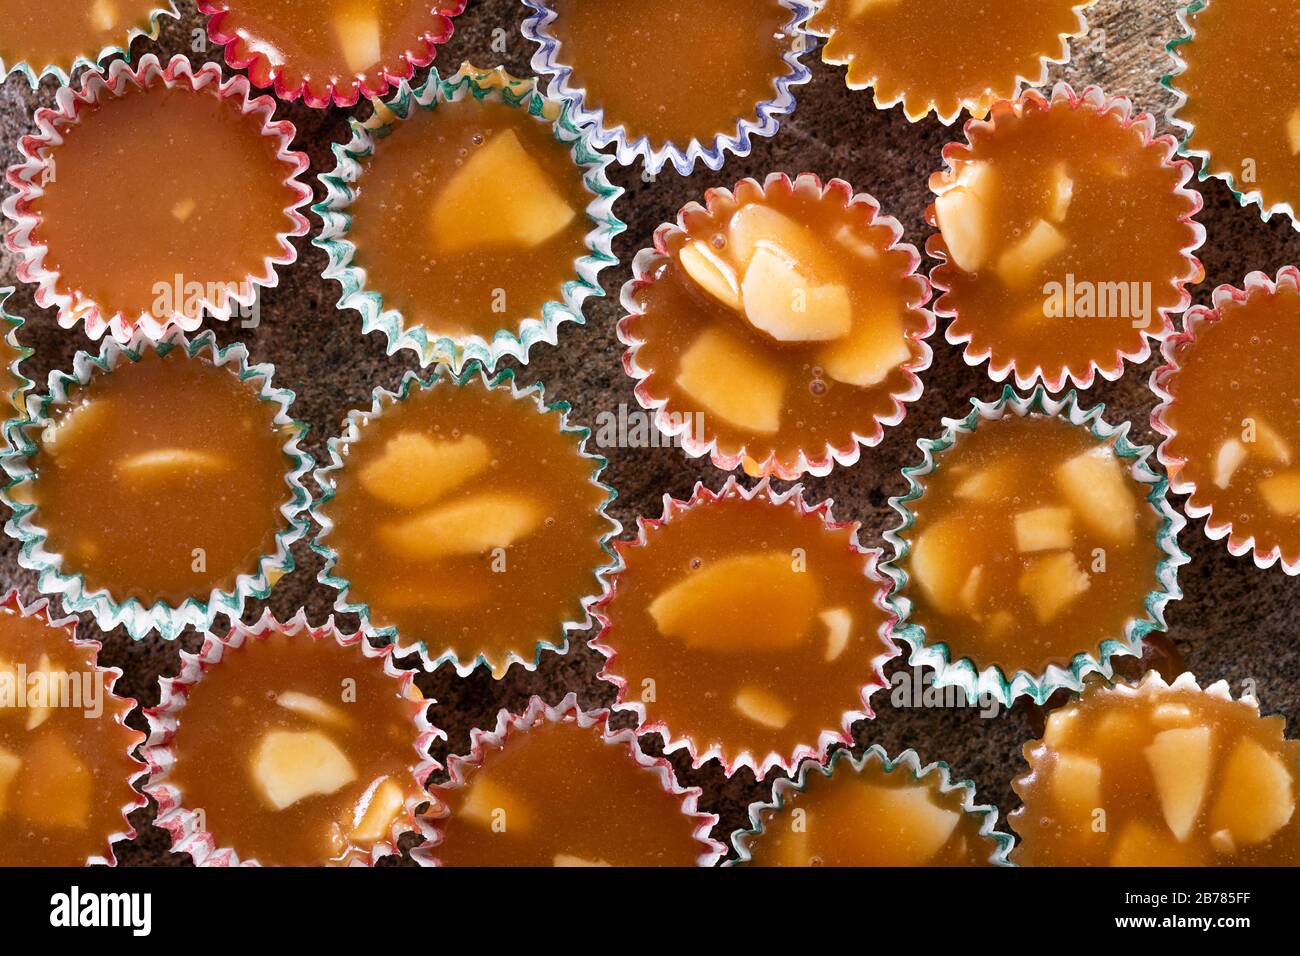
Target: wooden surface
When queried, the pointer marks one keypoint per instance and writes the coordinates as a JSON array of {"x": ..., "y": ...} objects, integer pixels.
[{"x": 1235, "y": 622}]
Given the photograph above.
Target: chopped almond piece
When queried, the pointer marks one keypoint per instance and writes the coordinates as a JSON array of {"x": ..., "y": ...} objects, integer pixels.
[
  {"x": 500, "y": 197},
  {"x": 1180, "y": 763},
  {"x": 10, "y": 764},
  {"x": 415, "y": 469},
  {"x": 357, "y": 30},
  {"x": 184, "y": 209},
  {"x": 919, "y": 826},
  {"x": 568, "y": 860},
  {"x": 989, "y": 483},
  {"x": 1060, "y": 727},
  {"x": 169, "y": 464},
  {"x": 57, "y": 785},
  {"x": 858, "y": 7},
  {"x": 733, "y": 381},
  {"x": 1223, "y": 842},
  {"x": 1115, "y": 730},
  {"x": 474, "y": 525},
  {"x": 313, "y": 708},
  {"x": 1140, "y": 845},
  {"x": 1076, "y": 787},
  {"x": 788, "y": 305},
  {"x": 83, "y": 418},
  {"x": 1062, "y": 193},
  {"x": 1166, "y": 714},
  {"x": 1000, "y": 625},
  {"x": 938, "y": 563},
  {"x": 1043, "y": 529},
  {"x": 839, "y": 627},
  {"x": 1021, "y": 264},
  {"x": 1282, "y": 492},
  {"x": 763, "y": 708},
  {"x": 1231, "y": 456},
  {"x": 964, "y": 214},
  {"x": 876, "y": 345},
  {"x": 1293, "y": 131},
  {"x": 1094, "y": 484},
  {"x": 1268, "y": 442},
  {"x": 1256, "y": 798},
  {"x": 1052, "y": 583},
  {"x": 849, "y": 238},
  {"x": 103, "y": 14},
  {"x": 289, "y": 766},
  {"x": 763, "y": 589},
  {"x": 710, "y": 272},
  {"x": 494, "y": 807},
  {"x": 377, "y": 811},
  {"x": 758, "y": 226}
]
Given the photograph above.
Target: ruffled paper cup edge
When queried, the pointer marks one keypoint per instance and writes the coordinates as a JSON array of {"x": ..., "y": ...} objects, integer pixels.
[
  {"x": 1246, "y": 198},
  {"x": 411, "y": 62},
  {"x": 1122, "y": 107},
  {"x": 529, "y": 330},
  {"x": 991, "y": 681},
  {"x": 182, "y": 824},
  {"x": 166, "y": 620},
  {"x": 63, "y": 73},
  {"x": 1151, "y": 683},
  {"x": 25, "y": 178},
  {"x": 381, "y": 399},
  {"x": 11, "y": 323},
  {"x": 1019, "y": 86},
  {"x": 761, "y": 812},
  {"x": 41, "y": 611},
  {"x": 546, "y": 62},
  {"x": 678, "y": 427},
  {"x": 703, "y": 496},
  {"x": 538, "y": 712},
  {"x": 1196, "y": 318}
]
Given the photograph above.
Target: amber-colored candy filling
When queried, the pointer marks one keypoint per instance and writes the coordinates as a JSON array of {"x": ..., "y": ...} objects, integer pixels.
[
  {"x": 945, "y": 55},
  {"x": 299, "y": 752},
  {"x": 329, "y": 43},
  {"x": 156, "y": 505},
  {"x": 55, "y": 32},
  {"x": 468, "y": 521},
  {"x": 1032, "y": 543},
  {"x": 65, "y": 770},
  {"x": 161, "y": 197},
  {"x": 649, "y": 68},
  {"x": 1236, "y": 414},
  {"x": 745, "y": 625},
  {"x": 871, "y": 818},
  {"x": 558, "y": 795},
  {"x": 1064, "y": 239},
  {"x": 469, "y": 217},
  {"x": 783, "y": 318},
  {"x": 1243, "y": 97},
  {"x": 1164, "y": 777}
]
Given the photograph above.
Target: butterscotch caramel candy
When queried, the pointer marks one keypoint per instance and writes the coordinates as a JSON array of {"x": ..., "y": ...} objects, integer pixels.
[
  {"x": 1230, "y": 417},
  {"x": 557, "y": 787},
  {"x": 746, "y": 625},
  {"x": 288, "y": 746},
  {"x": 66, "y": 768},
  {"x": 1159, "y": 775}
]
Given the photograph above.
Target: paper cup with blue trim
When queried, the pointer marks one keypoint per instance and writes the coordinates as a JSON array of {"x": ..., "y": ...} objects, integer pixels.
[
  {"x": 62, "y": 571},
  {"x": 12, "y": 355},
  {"x": 930, "y": 818},
  {"x": 711, "y": 148},
  {"x": 1054, "y": 495},
  {"x": 513, "y": 331},
  {"x": 463, "y": 518}
]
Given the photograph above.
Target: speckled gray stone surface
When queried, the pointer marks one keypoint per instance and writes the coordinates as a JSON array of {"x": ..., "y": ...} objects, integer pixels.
[{"x": 1234, "y": 622}]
